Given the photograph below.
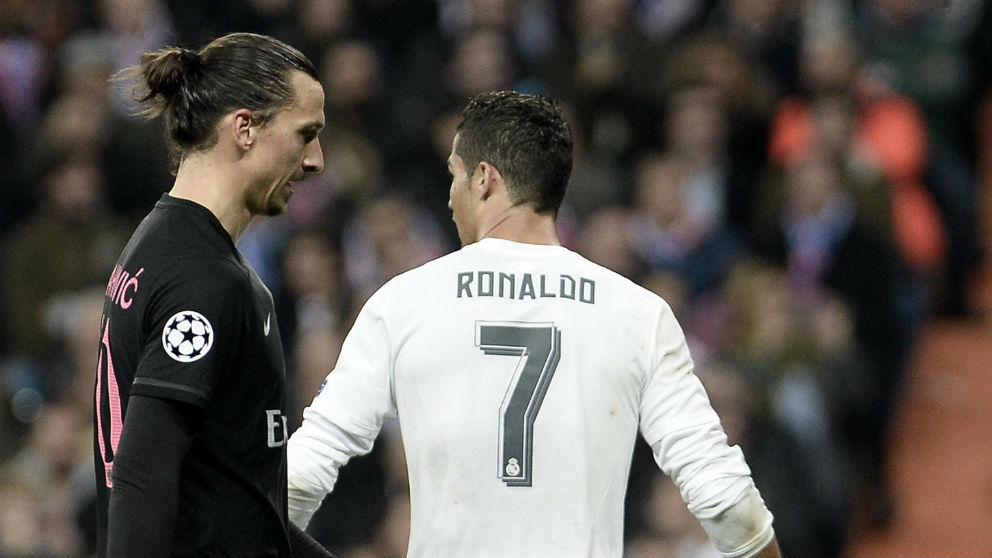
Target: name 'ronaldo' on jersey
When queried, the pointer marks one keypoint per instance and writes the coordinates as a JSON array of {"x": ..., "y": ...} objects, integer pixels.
[{"x": 525, "y": 286}]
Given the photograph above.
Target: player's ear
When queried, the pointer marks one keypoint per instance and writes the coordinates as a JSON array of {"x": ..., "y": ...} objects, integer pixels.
[
  {"x": 489, "y": 180},
  {"x": 242, "y": 128}
]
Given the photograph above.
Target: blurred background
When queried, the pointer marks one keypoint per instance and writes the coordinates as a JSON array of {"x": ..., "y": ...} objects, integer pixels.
[{"x": 805, "y": 181}]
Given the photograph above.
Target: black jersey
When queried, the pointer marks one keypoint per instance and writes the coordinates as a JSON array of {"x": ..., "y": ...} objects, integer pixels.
[{"x": 186, "y": 318}]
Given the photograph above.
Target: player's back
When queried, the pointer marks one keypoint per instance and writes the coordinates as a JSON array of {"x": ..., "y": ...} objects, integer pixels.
[{"x": 518, "y": 375}]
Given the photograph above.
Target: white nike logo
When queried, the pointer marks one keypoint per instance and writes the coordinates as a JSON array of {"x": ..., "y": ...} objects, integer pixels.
[{"x": 266, "y": 327}]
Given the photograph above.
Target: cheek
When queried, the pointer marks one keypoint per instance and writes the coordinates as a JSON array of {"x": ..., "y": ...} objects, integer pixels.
[
  {"x": 286, "y": 153},
  {"x": 293, "y": 157},
  {"x": 460, "y": 197}
]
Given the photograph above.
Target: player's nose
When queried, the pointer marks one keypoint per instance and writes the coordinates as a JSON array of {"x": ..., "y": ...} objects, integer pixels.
[{"x": 313, "y": 157}]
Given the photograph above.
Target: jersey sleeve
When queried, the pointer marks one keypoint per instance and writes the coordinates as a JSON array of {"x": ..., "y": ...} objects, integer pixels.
[
  {"x": 673, "y": 398},
  {"x": 347, "y": 413},
  {"x": 195, "y": 321},
  {"x": 690, "y": 446}
]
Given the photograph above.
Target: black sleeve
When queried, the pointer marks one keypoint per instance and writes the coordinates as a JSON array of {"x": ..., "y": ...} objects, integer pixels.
[
  {"x": 303, "y": 545},
  {"x": 156, "y": 435}
]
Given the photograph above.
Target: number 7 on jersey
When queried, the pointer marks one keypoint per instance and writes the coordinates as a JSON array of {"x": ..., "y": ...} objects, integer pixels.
[{"x": 538, "y": 346}]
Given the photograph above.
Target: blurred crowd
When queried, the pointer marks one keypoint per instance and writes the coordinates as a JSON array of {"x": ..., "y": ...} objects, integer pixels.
[{"x": 800, "y": 179}]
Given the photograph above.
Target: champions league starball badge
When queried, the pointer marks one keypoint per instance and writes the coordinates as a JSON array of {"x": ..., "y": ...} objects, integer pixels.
[{"x": 187, "y": 336}]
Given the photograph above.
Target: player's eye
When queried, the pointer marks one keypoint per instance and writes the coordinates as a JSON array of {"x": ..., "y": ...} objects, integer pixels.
[{"x": 310, "y": 133}]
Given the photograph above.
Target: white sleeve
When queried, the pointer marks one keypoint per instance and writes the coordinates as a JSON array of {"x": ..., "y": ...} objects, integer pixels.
[
  {"x": 716, "y": 484},
  {"x": 345, "y": 416},
  {"x": 743, "y": 529},
  {"x": 690, "y": 446}
]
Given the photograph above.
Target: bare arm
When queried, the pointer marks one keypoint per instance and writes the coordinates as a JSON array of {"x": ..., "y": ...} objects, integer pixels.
[{"x": 770, "y": 550}]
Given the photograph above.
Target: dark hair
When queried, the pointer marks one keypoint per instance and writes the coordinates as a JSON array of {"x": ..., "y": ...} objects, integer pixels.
[
  {"x": 193, "y": 90},
  {"x": 526, "y": 137}
]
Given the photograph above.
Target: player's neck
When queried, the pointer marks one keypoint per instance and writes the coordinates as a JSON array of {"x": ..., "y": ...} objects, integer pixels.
[
  {"x": 521, "y": 224},
  {"x": 203, "y": 180}
]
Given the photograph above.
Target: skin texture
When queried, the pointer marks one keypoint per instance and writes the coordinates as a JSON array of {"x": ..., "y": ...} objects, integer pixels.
[
  {"x": 480, "y": 206},
  {"x": 459, "y": 197},
  {"x": 251, "y": 169},
  {"x": 290, "y": 149}
]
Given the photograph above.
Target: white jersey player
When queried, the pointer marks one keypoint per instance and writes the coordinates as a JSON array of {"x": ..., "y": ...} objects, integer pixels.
[{"x": 521, "y": 374}]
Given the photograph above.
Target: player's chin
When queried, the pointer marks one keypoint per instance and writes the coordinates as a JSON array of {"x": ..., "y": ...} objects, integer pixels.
[
  {"x": 275, "y": 210},
  {"x": 280, "y": 200}
]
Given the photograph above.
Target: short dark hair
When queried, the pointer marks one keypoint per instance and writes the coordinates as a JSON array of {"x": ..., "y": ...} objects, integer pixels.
[
  {"x": 526, "y": 137},
  {"x": 192, "y": 90}
]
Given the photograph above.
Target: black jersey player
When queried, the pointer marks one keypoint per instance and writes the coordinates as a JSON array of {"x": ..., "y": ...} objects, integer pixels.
[{"x": 189, "y": 418}]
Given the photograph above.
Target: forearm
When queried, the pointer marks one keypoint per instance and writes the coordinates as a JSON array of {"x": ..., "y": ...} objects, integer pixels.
[
  {"x": 715, "y": 482},
  {"x": 743, "y": 529},
  {"x": 770, "y": 550},
  {"x": 139, "y": 523},
  {"x": 314, "y": 459},
  {"x": 316, "y": 451},
  {"x": 144, "y": 499}
]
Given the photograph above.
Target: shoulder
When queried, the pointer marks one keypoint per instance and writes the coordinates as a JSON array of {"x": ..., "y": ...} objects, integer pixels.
[
  {"x": 621, "y": 283},
  {"x": 427, "y": 273},
  {"x": 213, "y": 292},
  {"x": 416, "y": 288},
  {"x": 212, "y": 280}
]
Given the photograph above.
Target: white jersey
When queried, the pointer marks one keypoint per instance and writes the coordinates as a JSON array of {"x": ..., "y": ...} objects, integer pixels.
[{"x": 520, "y": 375}]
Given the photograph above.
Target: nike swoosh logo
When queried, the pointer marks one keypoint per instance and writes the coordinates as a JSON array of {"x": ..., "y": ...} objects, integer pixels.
[{"x": 267, "y": 323}]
